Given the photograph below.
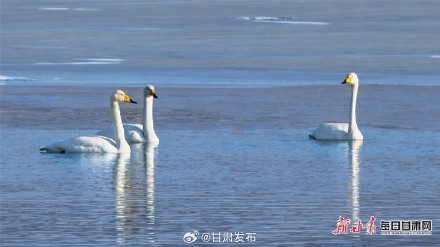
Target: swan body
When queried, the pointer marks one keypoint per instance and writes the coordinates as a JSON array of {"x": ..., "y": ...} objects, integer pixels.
[
  {"x": 137, "y": 133},
  {"x": 331, "y": 131},
  {"x": 342, "y": 131},
  {"x": 134, "y": 133},
  {"x": 83, "y": 144},
  {"x": 97, "y": 144}
]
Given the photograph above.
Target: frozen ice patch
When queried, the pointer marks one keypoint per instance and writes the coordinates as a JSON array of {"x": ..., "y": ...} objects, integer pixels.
[
  {"x": 66, "y": 9},
  {"x": 85, "y": 9},
  {"x": 102, "y": 59},
  {"x": 435, "y": 56},
  {"x": 77, "y": 63},
  {"x": 86, "y": 61},
  {"x": 4, "y": 78},
  {"x": 281, "y": 20},
  {"x": 54, "y": 8},
  {"x": 264, "y": 18},
  {"x": 148, "y": 29}
]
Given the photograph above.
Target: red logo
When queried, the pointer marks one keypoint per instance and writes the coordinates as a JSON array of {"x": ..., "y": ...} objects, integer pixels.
[{"x": 342, "y": 226}]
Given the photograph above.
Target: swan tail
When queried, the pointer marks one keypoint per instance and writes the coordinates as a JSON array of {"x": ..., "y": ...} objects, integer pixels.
[{"x": 51, "y": 149}]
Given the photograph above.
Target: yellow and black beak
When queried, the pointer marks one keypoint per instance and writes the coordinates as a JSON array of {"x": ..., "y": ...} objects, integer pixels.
[
  {"x": 153, "y": 93},
  {"x": 129, "y": 100},
  {"x": 347, "y": 80}
]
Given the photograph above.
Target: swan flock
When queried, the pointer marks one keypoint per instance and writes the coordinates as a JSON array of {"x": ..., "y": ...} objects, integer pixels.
[
  {"x": 116, "y": 138},
  {"x": 137, "y": 133}
]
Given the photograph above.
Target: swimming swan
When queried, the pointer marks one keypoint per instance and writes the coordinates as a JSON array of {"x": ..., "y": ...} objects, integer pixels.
[
  {"x": 136, "y": 133},
  {"x": 342, "y": 131},
  {"x": 98, "y": 144}
]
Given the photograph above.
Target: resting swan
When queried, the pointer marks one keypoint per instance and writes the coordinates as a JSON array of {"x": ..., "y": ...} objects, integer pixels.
[
  {"x": 342, "y": 131},
  {"x": 98, "y": 144},
  {"x": 136, "y": 133}
]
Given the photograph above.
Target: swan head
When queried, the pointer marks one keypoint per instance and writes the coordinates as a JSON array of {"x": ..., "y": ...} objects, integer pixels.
[
  {"x": 120, "y": 96},
  {"x": 351, "y": 79},
  {"x": 150, "y": 91}
]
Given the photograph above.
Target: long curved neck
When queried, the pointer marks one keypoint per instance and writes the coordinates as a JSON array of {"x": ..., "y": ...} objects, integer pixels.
[
  {"x": 148, "y": 118},
  {"x": 352, "y": 124},
  {"x": 121, "y": 143}
]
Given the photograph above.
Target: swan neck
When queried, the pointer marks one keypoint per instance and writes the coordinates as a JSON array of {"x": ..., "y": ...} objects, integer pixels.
[
  {"x": 353, "y": 123},
  {"x": 148, "y": 117},
  {"x": 117, "y": 123}
]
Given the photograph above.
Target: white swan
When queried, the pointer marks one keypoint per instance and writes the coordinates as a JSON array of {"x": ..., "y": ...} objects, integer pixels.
[
  {"x": 342, "y": 131},
  {"x": 136, "y": 133},
  {"x": 98, "y": 144}
]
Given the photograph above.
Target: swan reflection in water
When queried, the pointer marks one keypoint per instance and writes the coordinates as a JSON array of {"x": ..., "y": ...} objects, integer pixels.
[
  {"x": 354, "y": 147},
  {"x": 134, "y": 184},
  {"x": 149, "y": 158}
]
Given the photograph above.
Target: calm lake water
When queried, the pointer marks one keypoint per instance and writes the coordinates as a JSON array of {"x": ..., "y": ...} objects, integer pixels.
[
  {"x": 230, "y": 160},
  {"x": 241, "y": 84}
]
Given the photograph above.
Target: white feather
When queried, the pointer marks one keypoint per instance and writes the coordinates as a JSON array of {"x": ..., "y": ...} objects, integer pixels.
[
  {"x": 342, "y": 131},
  {"x": 97, "y": 144},
  {"x": 137, "y": 133}
]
